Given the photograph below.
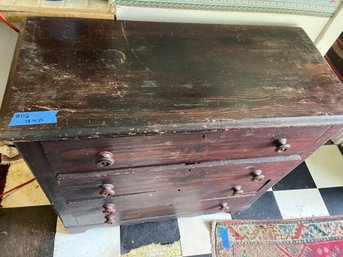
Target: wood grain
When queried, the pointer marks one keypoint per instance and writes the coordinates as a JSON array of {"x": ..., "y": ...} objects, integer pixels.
[
  {"x": 187, "y": 111},
  {"x": 153, "y": 206},
  {"x": 135, "y": 151},
  {"x": 108, "y": 78},
  {"x": 206, "y": 180}
]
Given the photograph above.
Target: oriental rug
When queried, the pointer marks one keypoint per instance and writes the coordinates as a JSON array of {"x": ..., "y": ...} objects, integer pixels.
[{"x": 312, "y": 237}]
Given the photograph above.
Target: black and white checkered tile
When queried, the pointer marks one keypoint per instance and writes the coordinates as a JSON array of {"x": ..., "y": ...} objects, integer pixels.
[{"x": 314, "y": 188}]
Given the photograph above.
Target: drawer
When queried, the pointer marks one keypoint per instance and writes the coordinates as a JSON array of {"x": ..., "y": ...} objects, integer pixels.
[
  {"x": 152, "y": 206},
  {"x": 137, "y": 151},
  {"x": 206, "y": 179}
]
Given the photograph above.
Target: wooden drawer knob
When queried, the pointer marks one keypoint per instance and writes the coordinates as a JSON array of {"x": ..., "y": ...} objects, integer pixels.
[
  {"x": 104, "y": 159},
  {"x": 237, "y": 190},
  {"x": 110, "y": 218},
  {"x": 224, "y": 207},
  {"x": 106, "y": 190},
  {"x": 281, "y": 145},
  {"x": 257, "y": 175},
  {"x": 109, "y": 208}
]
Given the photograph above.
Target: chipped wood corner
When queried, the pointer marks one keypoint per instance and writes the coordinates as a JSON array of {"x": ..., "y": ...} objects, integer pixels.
[{"x": 88, "y": 9}]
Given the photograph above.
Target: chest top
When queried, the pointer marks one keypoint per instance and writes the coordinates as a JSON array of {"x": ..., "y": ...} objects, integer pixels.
[{"x": 110, "y": 78}]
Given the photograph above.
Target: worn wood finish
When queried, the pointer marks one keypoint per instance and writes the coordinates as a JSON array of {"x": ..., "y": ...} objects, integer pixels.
[
  {"x": 135, "y": 151},
  {"x": 77, "y": 215},
  {"x": 181, "y": 113},
  {"x": 207, "y": 180},
  {"x": 329, "y": 134},
  {"x": 151, "y": 206},
  {"x": 158, "y": 78},
  {"x": 39, "y": 165}
]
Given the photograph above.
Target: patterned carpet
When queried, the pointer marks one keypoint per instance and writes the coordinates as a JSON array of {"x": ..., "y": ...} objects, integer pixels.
[{"x": 293, "y": 238}]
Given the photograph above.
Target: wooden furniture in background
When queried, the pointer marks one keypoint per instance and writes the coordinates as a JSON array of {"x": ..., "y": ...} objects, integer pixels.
[{"x": 91, "y": 9}]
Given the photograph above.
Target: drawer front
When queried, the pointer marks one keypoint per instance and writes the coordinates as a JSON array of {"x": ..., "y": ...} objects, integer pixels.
[
  {"x": 137, "y": 151},
  {"x": 207, "y": 179},
  {"x": 151, "y": 206}
]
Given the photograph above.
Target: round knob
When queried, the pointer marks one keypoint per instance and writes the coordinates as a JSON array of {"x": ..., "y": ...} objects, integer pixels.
[
  {"x": 104, "y": 159},
  {"x": 237, "y": 190},
  {"x": 224, "y": 207},
  {"x": 109, "y": 208},
  {"x": 106, "y": 190},
  {"x": 257, "y": 175},
  {"x": 110, "y": 218},
  {"x": 281, "y": 145}
]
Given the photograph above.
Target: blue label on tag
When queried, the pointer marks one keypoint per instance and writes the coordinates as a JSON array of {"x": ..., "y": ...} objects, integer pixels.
[
  {"x": 33, "y": 118},
  {"x": 225, "y": 238}
]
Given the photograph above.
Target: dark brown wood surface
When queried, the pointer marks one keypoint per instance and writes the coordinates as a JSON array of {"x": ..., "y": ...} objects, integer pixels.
[
  {"x": 39, "y": 165},
  {"x": 188, "y": 112},
  {"x": 136, "y": 151},
  {"x": 109, "y": 78},
  {"x": 151, "y": 206},
  {"x": 206, "y": 180},
  {"x": 79, "y": 214}
]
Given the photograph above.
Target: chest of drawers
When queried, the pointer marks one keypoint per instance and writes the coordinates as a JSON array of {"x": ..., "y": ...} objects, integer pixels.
[{"x": 157, "y": 121}]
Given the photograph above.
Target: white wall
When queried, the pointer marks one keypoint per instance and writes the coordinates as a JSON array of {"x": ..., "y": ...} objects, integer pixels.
[
  {"x": 312, "y": 25},
  {"x": 8, "y": 39}
]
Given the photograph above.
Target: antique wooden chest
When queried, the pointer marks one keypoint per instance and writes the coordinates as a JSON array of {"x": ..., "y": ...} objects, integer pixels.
[{"x": 125, "y": 122}]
